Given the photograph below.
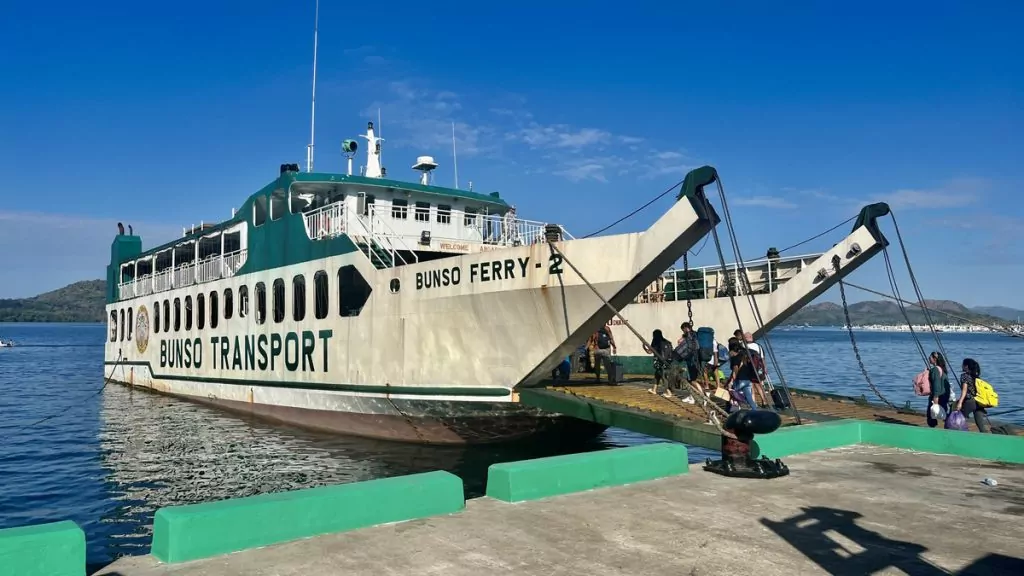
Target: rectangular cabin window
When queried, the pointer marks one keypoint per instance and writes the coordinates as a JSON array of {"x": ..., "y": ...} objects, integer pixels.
[
  {"x": 121, "y": 336},
  {"x": 423, "y": 211},
  {"x": 188, "y": 313},
  {"x": 399, "y": 208},
  {"x": 156, "y": 317},
  {"x": 261, "y": 303},
  {"x": 177, "y": 314},
  {"x": 243, "y": 301},
  {"x": 229, "y": 303},
  {"x": 113, "y": 325},
  {"x": 130, "y": 324},
  {"x": 368, "y": 202},
  {"x": 299, "y": 298},
  {"x": 279, "y": 300},
  {"x": 167, "y": 316},
  {"x": 214, "y": 310},
  {"x": 200, "y": 311},
  {"x": 469, "y": 218},
  {"x": 278, "y": 204},
  {"x": 259, "y": 211},
  {"x": 444, "y": 214},
  {"x": 353, "y": 291},
  {"x": 322, "y": 295}
]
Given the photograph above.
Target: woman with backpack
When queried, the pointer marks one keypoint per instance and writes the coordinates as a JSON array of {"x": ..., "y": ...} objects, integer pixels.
[
  {"x": 939, "y": 382},
  {"x": 661, "y": 348},
  {"x": 968, "y": 405}
]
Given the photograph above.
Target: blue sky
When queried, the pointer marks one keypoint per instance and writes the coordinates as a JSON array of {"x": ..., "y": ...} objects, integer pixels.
[{"x": 162, "y": 116}]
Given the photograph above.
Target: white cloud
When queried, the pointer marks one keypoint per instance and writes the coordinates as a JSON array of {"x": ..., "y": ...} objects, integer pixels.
[
  {"x": 764, "y": 202},
  {"x": 954, "y": 193},
  {"x": 560, "y": 136}
]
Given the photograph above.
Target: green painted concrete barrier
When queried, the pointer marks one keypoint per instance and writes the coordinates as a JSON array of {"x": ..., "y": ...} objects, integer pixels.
[
  {"x": 55, "y": 549},
  {"x": 794, "y": 440},
  {"x": 995, "y": 447},
  {"x": 814, "y": 437},
  {"x": 183, "y": 533},
  {"x": 544, "y": 477}
]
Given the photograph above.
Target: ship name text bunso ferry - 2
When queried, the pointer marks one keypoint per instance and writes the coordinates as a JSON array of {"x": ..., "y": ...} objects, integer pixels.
[{"x": 364, "y": 305}]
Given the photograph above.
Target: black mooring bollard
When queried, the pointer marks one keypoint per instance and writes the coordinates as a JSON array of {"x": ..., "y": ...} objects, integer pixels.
[{"x": 736, "y": 460}]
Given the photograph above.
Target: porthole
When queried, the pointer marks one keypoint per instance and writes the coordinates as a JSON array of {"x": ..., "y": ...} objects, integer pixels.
[{"x": 395, "y": 285}]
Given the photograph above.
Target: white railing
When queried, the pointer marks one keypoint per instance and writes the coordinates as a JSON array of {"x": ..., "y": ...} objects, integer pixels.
[
  {"x": 209, "y": 268},
  {"x": 764, "y": 276},
  {"x": 233, "y": 262},
  {"x": 325, "y": 222},
  {"x": 184, "y": 275},
  {"x": 507, "y": 231},
  {"x": 162, "y": 281}
]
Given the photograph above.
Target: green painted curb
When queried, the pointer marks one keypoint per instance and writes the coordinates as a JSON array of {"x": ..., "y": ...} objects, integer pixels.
[
  {"x": 544, "y": 477},
  {"x": 939, "y": 441},
  {"x": 793, "y": 440},
  {"x": 54, "y": 549},
  {"x": 813, "y": 437},
  {"x": 183, "y": 533}
]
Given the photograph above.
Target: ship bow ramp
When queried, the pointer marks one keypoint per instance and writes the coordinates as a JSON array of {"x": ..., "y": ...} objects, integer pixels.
[{"x": 566, "y": 311}]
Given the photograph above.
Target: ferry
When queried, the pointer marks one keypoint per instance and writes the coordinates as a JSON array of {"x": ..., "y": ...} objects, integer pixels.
[
  {"x": 359, "y": 304},
  {"x": 776, "y": 287}
]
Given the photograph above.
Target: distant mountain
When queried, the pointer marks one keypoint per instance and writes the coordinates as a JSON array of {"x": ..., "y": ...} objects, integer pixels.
[
  {"x": 79, "y": 302},
  {"x": 1003, "y": 312},
  {"x": 887, "y": 312}
]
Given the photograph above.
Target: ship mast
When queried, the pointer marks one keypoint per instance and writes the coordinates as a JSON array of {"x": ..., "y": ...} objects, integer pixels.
[{"x": 312, "y": 115}]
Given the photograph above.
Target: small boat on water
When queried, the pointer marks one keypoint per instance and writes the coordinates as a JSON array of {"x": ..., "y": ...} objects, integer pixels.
[{"x": 6, "y": 343}]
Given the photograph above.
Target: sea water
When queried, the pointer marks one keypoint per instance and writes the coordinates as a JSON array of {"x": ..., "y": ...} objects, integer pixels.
[{"x": 107, "y": 458}]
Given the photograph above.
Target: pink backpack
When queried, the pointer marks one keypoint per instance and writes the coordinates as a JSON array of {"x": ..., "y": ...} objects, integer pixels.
[{"x": 922, "y": 385}]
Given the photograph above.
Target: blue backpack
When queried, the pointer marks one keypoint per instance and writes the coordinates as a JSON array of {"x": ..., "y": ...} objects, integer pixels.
[{"x": 706, "y": 343}]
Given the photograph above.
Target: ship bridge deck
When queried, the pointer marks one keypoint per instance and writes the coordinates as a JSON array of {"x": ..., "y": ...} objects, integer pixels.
[{"x": 630, "y": 406}]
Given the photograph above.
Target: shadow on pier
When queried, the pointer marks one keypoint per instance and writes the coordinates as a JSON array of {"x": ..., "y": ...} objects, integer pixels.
[{"x": 833, "y": 540}]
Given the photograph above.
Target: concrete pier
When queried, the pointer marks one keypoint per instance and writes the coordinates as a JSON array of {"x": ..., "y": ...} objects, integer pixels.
[{"x": 859, "y": 509}]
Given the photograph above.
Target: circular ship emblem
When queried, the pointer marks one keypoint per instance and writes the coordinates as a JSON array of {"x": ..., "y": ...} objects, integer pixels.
[{"x": 142, "y": 329}]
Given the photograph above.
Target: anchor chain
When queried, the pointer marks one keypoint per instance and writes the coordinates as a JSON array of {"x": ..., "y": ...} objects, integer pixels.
[
  {"x": 686, "y": 276},
  {"x": 853, "y": 341}
]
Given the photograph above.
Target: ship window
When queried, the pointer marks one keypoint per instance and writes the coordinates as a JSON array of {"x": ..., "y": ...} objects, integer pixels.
[
  {"x": 278, "y": 300},
  {"x": 214, "y": 310},
  {"x": 399, "y": 208},
  {"x": 177, "y": 314},
  {"x": 188, "y": 313},
  {"x": 321, "y": 292},
  {"x": 243, "y": 301},
  {"x": 130, "y": 324},
  {"x": 261, "y": 303},
  {"x": 298, "y": 298},
  {"x": 122, "y": 325},
  {"x": 353, "y": 291},
  {"x": 278, "y": 204},
  {"x": 444, "y": 214},
  {"x": 113, "y": 325},
  {"x": 423, "y": 211},
  {"x": 200, "y": 311},
  {"x": 167, "y": 316},
  {"x": 259, "y": 210},
  {"x": 368, "y": 204},
  {"x": 469, "y": 219},
  {"x": 156, "y": 317},
  {"x": 229, "y": 304}
]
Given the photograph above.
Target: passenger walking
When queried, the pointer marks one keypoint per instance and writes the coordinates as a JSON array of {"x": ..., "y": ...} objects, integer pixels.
[
  {"x": 687, "y": 350},
  {"x": 741, "y": 379},
  {"x": 968, "y": 405},
  {"x": 760, "y": 368},
  {"x": 939, "y": 382},
  {"x": 603, "y": 353},
  {"x": 661, "y": 348}
]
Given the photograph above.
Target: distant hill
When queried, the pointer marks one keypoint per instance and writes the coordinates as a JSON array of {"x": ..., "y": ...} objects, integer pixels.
[
  {"x": 1003, "y": 312},
  {"x": 79, "y": 302},
  {"x": 887, "y": 312}
]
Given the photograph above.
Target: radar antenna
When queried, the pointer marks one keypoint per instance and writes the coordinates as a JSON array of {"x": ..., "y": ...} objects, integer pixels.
[{"x": 312, "y": 115}]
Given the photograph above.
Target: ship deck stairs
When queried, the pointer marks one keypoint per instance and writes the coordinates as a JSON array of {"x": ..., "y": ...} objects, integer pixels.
[{"x": 630, "y": 406}]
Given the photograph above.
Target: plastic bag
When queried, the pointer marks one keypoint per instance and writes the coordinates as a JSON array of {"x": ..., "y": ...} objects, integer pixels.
[
  {"x": 937, "y": 412},
  {"x": 956, "y": 421}
]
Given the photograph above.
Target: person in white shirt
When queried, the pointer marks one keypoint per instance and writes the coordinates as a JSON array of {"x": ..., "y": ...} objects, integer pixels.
[{"x": 755, "y": 348}]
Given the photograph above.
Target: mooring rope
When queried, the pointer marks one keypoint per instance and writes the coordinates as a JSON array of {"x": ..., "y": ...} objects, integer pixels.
[{"x": 78, "y": 403}]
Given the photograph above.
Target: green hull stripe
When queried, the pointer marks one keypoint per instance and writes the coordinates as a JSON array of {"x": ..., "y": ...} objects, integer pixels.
[
  {"x": 557, "y": 475},
  {"x": 366, "y": 388}
]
